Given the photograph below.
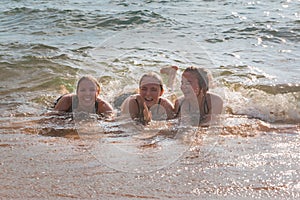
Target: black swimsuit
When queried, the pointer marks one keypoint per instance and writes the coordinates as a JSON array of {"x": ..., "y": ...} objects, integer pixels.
[{"x": 205, "y": 109}]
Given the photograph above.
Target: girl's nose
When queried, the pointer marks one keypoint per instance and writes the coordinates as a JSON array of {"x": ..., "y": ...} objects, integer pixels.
[
  {"x": 148, "y": 92},
  {"x": 89, "y": 93}
]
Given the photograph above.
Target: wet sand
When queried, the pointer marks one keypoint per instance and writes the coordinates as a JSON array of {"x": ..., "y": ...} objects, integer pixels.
[{"x": 264, "y": 165}]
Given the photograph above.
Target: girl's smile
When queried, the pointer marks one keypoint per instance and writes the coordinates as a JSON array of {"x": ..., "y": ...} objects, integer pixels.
[
  {"x": 150, "y": 93},
  {"x": 87, "y": 93}
]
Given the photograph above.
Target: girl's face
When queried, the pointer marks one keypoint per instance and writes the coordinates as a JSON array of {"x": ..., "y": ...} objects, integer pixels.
[
  {"x": 190, "y": 85},
  {"x": 150, "y": 90},
  {"x": 87, "y": 93}
]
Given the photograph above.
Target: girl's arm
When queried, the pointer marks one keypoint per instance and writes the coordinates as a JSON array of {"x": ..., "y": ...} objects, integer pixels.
[
  {"x": 168, "y": 106},
  {"x": 105, "y": 108},
  {"x": 64, "y": 103}
]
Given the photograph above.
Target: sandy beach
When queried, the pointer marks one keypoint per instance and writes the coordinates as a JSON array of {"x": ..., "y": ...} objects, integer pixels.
[{"x": 237, "y": 167}]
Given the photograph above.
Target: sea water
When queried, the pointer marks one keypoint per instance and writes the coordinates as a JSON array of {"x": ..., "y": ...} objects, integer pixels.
[{"x": 250, "y": 47}]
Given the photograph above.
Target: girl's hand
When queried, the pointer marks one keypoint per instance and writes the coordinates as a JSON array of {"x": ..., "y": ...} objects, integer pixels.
[{"x": 147, "y": 114}]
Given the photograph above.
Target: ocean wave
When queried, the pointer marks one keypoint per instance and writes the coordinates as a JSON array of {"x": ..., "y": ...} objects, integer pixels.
[
  {"x": 257, "y": 102},
  {"x": 250, "y": 91},
  {"x": 33, "y": 19},
  {"x": 35, "y": 75},
  {"x": 128, "y": 18},
  {"x": 273, "y": 89},
  {"x": 267, "y": 34}
]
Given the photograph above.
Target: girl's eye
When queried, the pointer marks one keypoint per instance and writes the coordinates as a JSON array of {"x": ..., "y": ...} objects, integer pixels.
[
  {"x": 186, "y": 83},
  {"x": 144, "y": 89}
]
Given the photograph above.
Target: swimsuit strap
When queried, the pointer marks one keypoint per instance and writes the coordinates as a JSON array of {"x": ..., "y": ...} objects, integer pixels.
[
  {"x": 159, "y": 101},
  {"x": 206, "y": 108},
  {"x": 179, "y": 108},
  {"x": 138, "y": 105},
  {"x": 56, "y": 101},
  {"x": 140, "y": 111},
  {"x": 96, "y": 106}
]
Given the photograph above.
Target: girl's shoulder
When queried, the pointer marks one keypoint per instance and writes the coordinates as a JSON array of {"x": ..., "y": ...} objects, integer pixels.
[
  {"x": 65, "y": 97},
  {"x": 101, "y": 101},
  {"x": 216, "y": 103},
  {"x": 64, "y": 102},
  {"x": 137, "y": 98},
  {"x": 165, "y": 101},
  {"x": 104, "y": 107},
  {"x": 215, "y": 97},
  {"x": 68, "y": 96},
  {"x": 125, "y": 104},
  {"x": 179, "y": 100}
]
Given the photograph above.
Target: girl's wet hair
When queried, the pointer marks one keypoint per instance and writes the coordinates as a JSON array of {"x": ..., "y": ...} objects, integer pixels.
[
  {"x": 90, "y": 78},
  {"x": 155, "y": 76}
]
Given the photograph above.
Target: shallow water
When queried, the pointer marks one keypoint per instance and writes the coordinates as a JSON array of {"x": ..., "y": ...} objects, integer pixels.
[
  {"x": 243, "y": 158},
  {"x": 250, "y": 47}
]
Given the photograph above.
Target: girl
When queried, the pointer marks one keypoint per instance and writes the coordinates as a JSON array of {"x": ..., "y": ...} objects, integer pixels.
[
  {"x": 148, "y": 104},
  {"x": 85, "y": 100},
  {"x": 197, "y": 101}
]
